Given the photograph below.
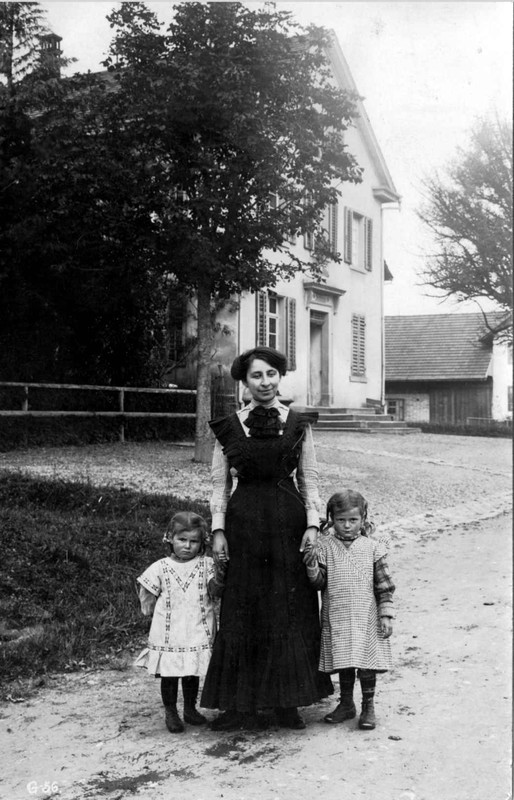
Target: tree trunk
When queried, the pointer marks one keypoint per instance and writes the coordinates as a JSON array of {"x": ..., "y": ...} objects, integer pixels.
[{"x": 203, "y": 436}]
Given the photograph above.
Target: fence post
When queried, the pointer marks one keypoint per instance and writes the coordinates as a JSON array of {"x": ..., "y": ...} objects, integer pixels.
[
  {"x": 25, "y": 407},
  {"x": 122, "y": 409}
]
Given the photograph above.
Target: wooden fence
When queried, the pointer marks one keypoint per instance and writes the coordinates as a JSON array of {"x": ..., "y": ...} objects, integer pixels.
[{"x": 120, "y": 414}]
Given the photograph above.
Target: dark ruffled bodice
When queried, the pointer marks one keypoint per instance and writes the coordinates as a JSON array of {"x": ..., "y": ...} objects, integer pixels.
[{"x": 263, "y": 459}]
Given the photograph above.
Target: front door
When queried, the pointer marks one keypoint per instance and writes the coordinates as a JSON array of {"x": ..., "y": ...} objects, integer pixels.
[
  {"x": 315, "y": 365},
  {"x": 318, "y": 376}
]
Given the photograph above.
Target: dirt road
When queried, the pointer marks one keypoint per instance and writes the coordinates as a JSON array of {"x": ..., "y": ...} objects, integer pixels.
[{"x": 444, "y": 711}]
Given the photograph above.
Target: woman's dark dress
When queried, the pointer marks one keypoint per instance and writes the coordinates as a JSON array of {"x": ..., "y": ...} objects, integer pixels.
[{"x": 266, "y": 653}]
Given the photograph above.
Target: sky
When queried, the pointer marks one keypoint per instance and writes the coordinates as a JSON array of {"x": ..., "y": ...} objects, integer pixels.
[{"x": 426, "y": 70}]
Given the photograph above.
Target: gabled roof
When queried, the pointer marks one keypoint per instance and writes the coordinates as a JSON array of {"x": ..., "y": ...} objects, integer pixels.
[
  {"x": 443, "y": 347},
  {"x": 385, "y": 191}
]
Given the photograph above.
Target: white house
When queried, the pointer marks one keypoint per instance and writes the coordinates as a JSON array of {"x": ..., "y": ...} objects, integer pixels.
[{"x": 332, "y": 332}]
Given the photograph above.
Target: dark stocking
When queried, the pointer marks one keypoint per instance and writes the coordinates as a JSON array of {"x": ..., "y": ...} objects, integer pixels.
[
  {"x": 169, "y": 691},
  {"x": 190, "y": 684},
  {"x": 368, "y": 680},
  {"x": 347, "y": 681}
]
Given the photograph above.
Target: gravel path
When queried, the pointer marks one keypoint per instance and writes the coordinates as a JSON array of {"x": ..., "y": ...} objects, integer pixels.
[
  {"x": 406, "y": 479},
  {"x": 444, "y": 710}
]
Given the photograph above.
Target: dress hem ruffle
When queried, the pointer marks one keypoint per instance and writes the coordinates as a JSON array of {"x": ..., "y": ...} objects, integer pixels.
[{"x": 173, "y": 664}]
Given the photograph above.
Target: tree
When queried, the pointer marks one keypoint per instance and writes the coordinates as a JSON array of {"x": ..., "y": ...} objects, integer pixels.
[
  {"x": 83, "y": 291},
  {"x": 80, "y": 300},
  {"x": 469, "y": 211},
  {"x": 230, "y": 108},
  {"x": 21, "y": 25},
  {"x": 162, "y": 172}
]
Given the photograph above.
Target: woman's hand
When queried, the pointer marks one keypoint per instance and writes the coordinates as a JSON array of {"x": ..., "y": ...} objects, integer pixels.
[
  {"x": 310, "y": 556},
  {"x": 386, "y": 626},
  {"x": 220, "y": 547},
  {"x": 309, "y": 538}
]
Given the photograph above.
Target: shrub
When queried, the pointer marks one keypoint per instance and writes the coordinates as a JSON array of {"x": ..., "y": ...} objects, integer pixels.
[
  {"x": 71, "y": 553},
  {"x": 493, "y": 428}
]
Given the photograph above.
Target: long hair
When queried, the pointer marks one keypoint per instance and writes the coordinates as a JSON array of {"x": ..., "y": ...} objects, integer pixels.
[
  {"x": 345, "y": 501},
  {"x": 186, "y": 521}
]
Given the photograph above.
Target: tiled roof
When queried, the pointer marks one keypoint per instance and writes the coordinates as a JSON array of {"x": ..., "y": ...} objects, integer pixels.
[{"x": 436, "y": 347}]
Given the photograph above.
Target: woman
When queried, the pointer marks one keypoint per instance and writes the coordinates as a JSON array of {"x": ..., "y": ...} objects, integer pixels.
[{"x": 267, "y": 649}]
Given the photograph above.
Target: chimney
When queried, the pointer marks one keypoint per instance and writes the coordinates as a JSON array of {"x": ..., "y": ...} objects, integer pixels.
[{"x": 50, "y": 54}]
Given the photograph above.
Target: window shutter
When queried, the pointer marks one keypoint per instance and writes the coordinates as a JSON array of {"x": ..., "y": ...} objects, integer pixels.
[
  {"x": 291, "y": 332},
  {"x": 358, "y": 345},
  {"x": 362, "y": 346},
  {"x": 332, "y": 226},
  {"x": 368, "y": 244},
  {"x": 348, "y": 220},
  {"x": 261, "y": 334}
]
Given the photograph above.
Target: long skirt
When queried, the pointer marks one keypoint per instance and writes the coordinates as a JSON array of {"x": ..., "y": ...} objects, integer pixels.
[{"x": 266, "y": 652}]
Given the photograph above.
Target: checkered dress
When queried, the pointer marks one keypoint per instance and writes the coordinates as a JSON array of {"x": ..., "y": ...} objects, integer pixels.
[
  {"x": 183, "y": 623},
  {"x": 351, "y": 635}
]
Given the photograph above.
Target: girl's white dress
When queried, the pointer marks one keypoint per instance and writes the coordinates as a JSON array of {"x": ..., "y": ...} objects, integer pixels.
[
  {"x": 184, "y": 623},
  {"x": 350, "y": 627}
]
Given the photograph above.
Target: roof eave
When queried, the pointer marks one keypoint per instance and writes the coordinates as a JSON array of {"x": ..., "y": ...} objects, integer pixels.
[
  {"x": 362, "y": 123},
  {"x": 385, "y": 195}
]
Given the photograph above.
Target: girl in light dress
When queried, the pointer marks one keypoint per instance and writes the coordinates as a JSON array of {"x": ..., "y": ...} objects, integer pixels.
[
  {"x": 179, "y": 591},
  {"x": 357, "y": 603}
]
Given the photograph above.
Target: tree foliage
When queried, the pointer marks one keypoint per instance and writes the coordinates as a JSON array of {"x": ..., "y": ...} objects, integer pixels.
[
  {"x": 21, "y": 25},
  {"x": 232, "y": 107},
  {"x": 80, "y": 299},
  {"x": 161, "y": 173},
  {"x": 469, "y": 212}
]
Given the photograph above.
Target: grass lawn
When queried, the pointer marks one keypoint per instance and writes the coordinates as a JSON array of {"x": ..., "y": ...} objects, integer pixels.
[{"x": 70, "y": 554}]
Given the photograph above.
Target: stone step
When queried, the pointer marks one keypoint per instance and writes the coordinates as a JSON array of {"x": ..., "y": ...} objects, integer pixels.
[
  {"x": 342, "y": 424},
  {"x": 329, "y": 410},
  {"x": 337, "y": 429},
  {"x": 386, "y": 423},
  {"x": 390, "y": 431},
  {"x": 341, "y": 417}
]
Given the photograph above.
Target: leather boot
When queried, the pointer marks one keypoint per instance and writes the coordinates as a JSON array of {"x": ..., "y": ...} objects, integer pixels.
[
  {"x": 367, "y": 720},
  {"x": 190, "y": 685},
  {"x": 228, "y": 721},
  {"x": 289, "y": 718},
  {"x": 345, "y": 710},
  {"x": 173, "y": 721}
]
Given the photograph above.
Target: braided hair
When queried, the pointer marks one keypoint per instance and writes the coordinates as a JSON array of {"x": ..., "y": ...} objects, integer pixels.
[{"x": 345, "y": 501}]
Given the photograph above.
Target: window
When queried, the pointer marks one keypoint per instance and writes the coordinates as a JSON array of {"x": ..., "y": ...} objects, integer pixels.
[
  {"x": 358, "y": 369},
  {"x": 276, "y": 324},
  {"x": 329, "y": 226},
  {"x": 358, "y": 240},
  {"x": 396, "y": 408},
  {"x": 308, "y": 240}
]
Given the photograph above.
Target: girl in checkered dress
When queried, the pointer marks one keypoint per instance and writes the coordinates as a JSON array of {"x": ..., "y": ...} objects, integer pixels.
[
  {"x": 179, "y": 591},
  {"x": 351, "y": 570}
]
